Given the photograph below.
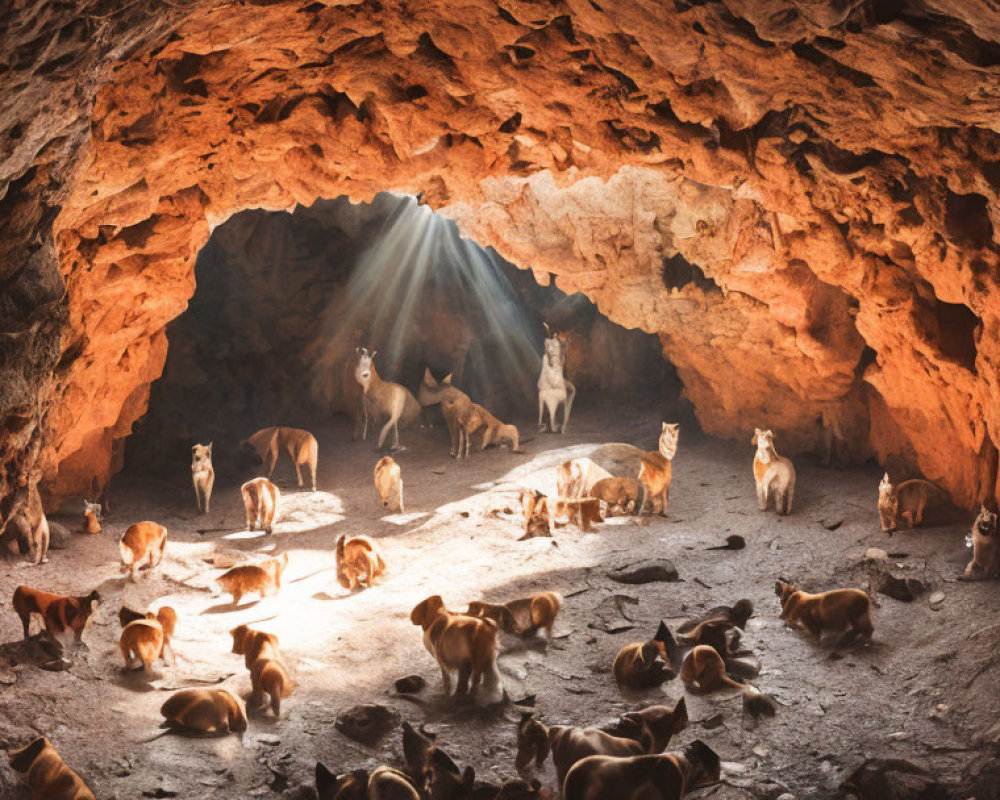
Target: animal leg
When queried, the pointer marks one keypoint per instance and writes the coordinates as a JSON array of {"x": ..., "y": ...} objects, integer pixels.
[
  {"x": 298, "y": 473},
  {"x": 567, "y": 407},
  {"x": 392, "y": 423},
  {"x": 197, "y": 496},
  {"x": 464, "y": 672},
  {"x": 208, "y": 491},
  {"x": 761, "y": 496},
  {"x": 663, "y": 501},
  {"x": 789, "y": 497},
  {"x": 553, "y": 406},
  {"x": 541, "y": 412},
  {"x": 26, "y": 622},
  {"x": 446, "y": 679}
]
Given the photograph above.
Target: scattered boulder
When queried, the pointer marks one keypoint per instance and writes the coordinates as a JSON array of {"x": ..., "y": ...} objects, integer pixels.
[
  {"x": 893, "y": 779},
  {"x": 900, "y": 587},
  {"x": 411, "y": 684},
  {"x": 367, "y": 723},
  {"x": 58, "y": 536},
  {"x": 611, "y": 614},
  {"x": 661, "y": 570}
]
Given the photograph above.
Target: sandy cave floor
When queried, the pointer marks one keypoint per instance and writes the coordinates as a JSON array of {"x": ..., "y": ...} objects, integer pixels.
[{"x": 347, "y": 648}]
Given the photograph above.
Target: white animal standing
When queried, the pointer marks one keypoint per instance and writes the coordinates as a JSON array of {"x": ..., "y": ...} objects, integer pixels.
[
  {"x": 553, "y": 388},
  {"x": 774, "y": 474}
]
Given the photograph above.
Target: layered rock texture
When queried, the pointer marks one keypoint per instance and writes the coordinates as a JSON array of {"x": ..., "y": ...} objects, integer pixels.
[{"x": 800, "y": 198}]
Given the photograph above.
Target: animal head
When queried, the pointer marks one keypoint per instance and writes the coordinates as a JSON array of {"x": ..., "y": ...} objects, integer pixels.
[
  {"x": 765, "y": 444},
  {"x": 888, "y": 504},
  {"x": 555, "y": 349},
  {"x": 81, "y": 609},
  {"x": 522, "y": 790},
  {"x": 416, "y": 749},
  {"x": 426, "y": 610},
  {"x": 705, "y": 761},
  {"x": 167, "y": 618},
  {"x": 345, "y": 576},
  {"x": 22, "y": 758},
  {"x": 201, "y": 456},
  {"x": 986, "y": 522},
  {"x": 668, "y": 439},
  {"x": 654, "y": 726},
  {"x": 349, "y": 786},
  {"x": 443, "y": 780},
  {"x": 783, "y": 589},
  {"x": 509, "y": 434},
  {"x": 742, "y": 611},
  {"x": 532, "y": 742},
  {"x": 127, "y": 615},
  {"x": 92, "y": 510},
  {"x": 364, "y": 369},
  {"x": 237, "y": 713},
  {"x": 240, "y": 634}
]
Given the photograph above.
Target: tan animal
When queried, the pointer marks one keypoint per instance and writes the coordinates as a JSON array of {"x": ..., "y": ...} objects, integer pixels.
[
  {"x": 47, "y": 775},
  {"x": 141, "y": 546},
  {"x": 270, "y": 683},
  {"x": 984, "y": 539},
  {"x": 773, "y": 474},
  {"x": 389, "y": 484},
  {"x": 383, "y": 400},
  {"x": 91, "y": 517},
  {"x": 904, "y": 503},
  {"x": 359, "y": 561},
  {"x": 202, "y": 475},
  {"x": 65, "y": 617},
  {"x": 618, "y": 493},
  {"x": 656, "y": 469},
  {"x": 522, "y": 617},
  {"x": 704, "y": 670},
  {"x": 254, "y": 645},
  {"x": 263, "y": 578},
  {"x": 536, "y": 514},
  {"x": 147, "y": 639},
  {"x": 645, "y": 665},
  {"x": 455, "y": 406},
  {"x": 494, "y": 431},
  {"x": 458, "y": 642},
  {"x": 28, "y": 518},
  {"x": 384, "y": 783},
  {"x": 260, "y": 501},
  {"x": 301, "y": 446},
  {"x": 668, "y": 776},
  {"x": 578, "y": 511},
  {"x": 212, "y": 711},
  {"x": 638, "y": 724},
  {"x": 577, "y": 477},
  {"x": 839, "y": 610},
  {"x": 553, "y": 388}
]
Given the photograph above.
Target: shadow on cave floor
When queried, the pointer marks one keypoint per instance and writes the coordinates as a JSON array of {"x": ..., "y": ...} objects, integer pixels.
[{"x": 347, "y": 648}]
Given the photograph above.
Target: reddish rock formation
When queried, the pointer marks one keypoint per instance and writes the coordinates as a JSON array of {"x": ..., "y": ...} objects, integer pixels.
[{"x": 826, "y": 175}]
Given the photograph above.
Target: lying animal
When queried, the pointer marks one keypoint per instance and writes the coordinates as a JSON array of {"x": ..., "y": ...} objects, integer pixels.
[
  {"x": 719, "y": 634},
  {"x": 144, "y": 640},
  {"x": 904, "y": 503},
  {"x": 202, "y": 475},
  {"x": 260, "y": 501},
  {"x": 384, "y": 783},
  {"x": 47, "y": 775},
  {"x": 737, "y": 614},
  {"x": 494, "y": 431},
  {"x": 773, "y": 474},
  {"x": 301, "y": 445},
  {"x": 668, "y": 776},
  {"x": 91, "y": 517},
  {"x": 263, "y": 578},
  {"x": 214, "y": 711},
  {"x": 984, "y": 538},
  {"x": 254, "y": 645},
  {"x": 536, "y": 514},
  {"x": 522, "y": 617},
  {"x": 458, "y": 642},
  {"x": 142, "y": 546},
  {"x": 704, "y": 670},
  {"x": 618, "y": 493},
  {"x": 65, "y": 617},
  {"x": 645, "y": 665},
  {"x": 839, "y": 610},
  {"x": 359, "y": 561},
  {"x": 270, "y": 682},
  {"x": 637, "y": 724},
  {"x": 389, "y": 484}
]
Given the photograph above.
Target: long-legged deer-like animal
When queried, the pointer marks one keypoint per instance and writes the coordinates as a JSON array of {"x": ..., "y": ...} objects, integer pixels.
[
  {"x": 553, "y": 388},
  {"x": 383, "y": 400},
  {"x": 455, "y": 405}
]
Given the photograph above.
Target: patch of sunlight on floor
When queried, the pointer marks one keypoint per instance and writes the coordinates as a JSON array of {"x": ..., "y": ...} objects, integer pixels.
[
  {"x": 306, "y": 511},
  {"x": 405, "y": 519}
]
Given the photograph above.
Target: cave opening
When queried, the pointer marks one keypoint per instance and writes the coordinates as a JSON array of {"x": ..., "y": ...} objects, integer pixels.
[{"x": 283, "y": 300}]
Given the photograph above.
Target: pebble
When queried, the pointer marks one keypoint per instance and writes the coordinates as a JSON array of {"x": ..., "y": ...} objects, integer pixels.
[
  {"x": 936, "y": 598},
  {"x": 733, "y": 766},
  {"x": 761, "y": 751},
  {"x": 899, "y": 736},
  {"x": 875, "y": 554}
]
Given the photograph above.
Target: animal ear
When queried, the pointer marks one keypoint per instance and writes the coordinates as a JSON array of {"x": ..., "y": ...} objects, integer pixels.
[
  {"x": 680, "y": 713},
  {"x": 210, "y": 446},
  {"x": 441, "y": 760},
  {"x": 373, "y": 354},
  {"x": 548, "y": 330},
  {"x": 446, "y": 380},
  {"x": 326, "y": 781},
  {"x": 469, "y": 777}
]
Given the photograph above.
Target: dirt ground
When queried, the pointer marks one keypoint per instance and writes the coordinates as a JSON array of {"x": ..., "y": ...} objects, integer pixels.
[{"x": 925, "y": 690}]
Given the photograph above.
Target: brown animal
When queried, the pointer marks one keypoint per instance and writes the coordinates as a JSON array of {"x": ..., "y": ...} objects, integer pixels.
[
  {"x": 656, "y": 469},
  {"x": 65, "y": 617},
  {"x": 455, "y": 406},
  {"x": 142, "y": 545},
  {"x": 579, "y": 511},
  {"x": 263, "y": 578},
  {"x": 269, "y": 678},
  {"x": 634, "y": 724},
  {"x": 27, "y": 517},
  {"x": 618, "y": 493},
  {"x": 668, "y": 776},
  {"x": 846, "y": 610},
  {"x": 719, "y": 634},
  {"x": 383, "y": 400},
  {"x": 301, "y": 445},
  {"x": 389, "y": 484},
  {"x": 536, "y": 514},
  {"x": 202, "y": 475},
  {"x": 458, "y": 642},
  {"x": 212, "y": 711},
  {"x": 645, "y": 665},
  {"x": 260, "y": 501},
  {"x": 144, "y": 640},
  {"x": 254, "y": 645},
  {"x": 359, "y": 561},
  {"x": 522, "y": 617},
  {"x": 91, "y": 517},
  {"x": 737, "y": 614},
  {"x": 704, "y": 670},
  {"x": 904, "y": 503},
  {"x": 384, "y": 783},
  {"x": 494, "y": 431},
  {"x": 48, "y": 777},
  {"x": 984, "y": 539},
  {"x": 577, "y": 477},
  {"x": 774, "y": 475},
  {"x": 127, "y": 615}
]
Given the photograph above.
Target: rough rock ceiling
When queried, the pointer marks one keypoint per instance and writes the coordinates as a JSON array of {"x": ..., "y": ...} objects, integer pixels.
[{"x": 830, "y": 168}]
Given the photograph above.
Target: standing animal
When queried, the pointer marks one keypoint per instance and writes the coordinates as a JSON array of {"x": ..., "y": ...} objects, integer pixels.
[
  {"x": 27, "y": 517},
  {"x": 270, "y": 682},
  {"x": 142, "y": 545},
  {"x": 668, "y": 776},
  {"x": 984, "y": 539},
  {"x": 213, "y": 711},
  {"x": 522, "y": 617},
  {"x": 656, "y": 469},
  {"x": 536, "y": 514},
  {"x": 618, "y": 493},
  {"x": 47, "y": 775},
  {"x": 254, "y": 645},
  {"x": 202, "y": 475},
  {"x": 737, "y": 614},
  {"x": 91, "y": 517},
  {"x": 260, "y": 501},
  {"x": 383, "y": 400},
  {"x": 65, "y": 617},
  {"x": 904, "y": 503},
  {"x": 359, "y": 561},
  {"x": 301, "y": 446},
  {"x": 645, "y": 665},
  {"x": 839, "y": 610},
  {"x": 578, "y": 477},
  {"x": 144, "y": 640},
  {"x": 458, "y": 642},
  {"x": 494, "y": 431},
  {"x": 553, "y": 388},
  {"x": 773, "y": 474},
  {"x": 455, "y": 406},
  {"x": 263, "y": 578},
  {"x": 389, "y": 484}
]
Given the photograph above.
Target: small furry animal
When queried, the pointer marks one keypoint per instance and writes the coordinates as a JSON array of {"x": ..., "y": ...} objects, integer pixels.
[
  {"x": 536, "y": 514},
  {"x": 269, "y": 678},
  {"x": 91, "y": 517},
  {"x": 389, "y": 484},
  {"x": 904, "y": 503},
  {"x": 263, "y": 578},
  {"x": 142, "y": 545},
  {"x": 618, "y": 493},
  {"x": 668, "y": 776},
  {"x": 47, "y": 775},
  {"x": 737, "y": 614},
  {"x": 577, "y": 477},
  {"x": 553, "y": 388},
  {"x": 458, "y": 642},
  {"x": 383, "y": 400},
  {"x": 359, "y": 561},
  {"x": 144, "y": 640},
  {"x": 846, "y": 610},
  {"x": 455, "y": 405},
  {"x": 384, "y": 783},
  {"x": 704, "y": 670},
  {"x": 254, "y": 645},
  {"x": 204, "y": 711},
  {"x": 202, "y": 475},
  {"x": 494, "y": 431},
  {"x": 579, "y": 511},
  {"x": 260, "y": 501},
  {"x": 522, "y": 617},
  {"x": 65, "y": 617},
  {"x": 645, "y": 665},
  {"x": 638, "y": 724},
  {"x": 984, "y": 539},
  {"x": 28, "y": 518},
  {"x": 720, "y": 634},
  {"x": 773, "y": 474},
  {"x": 301, "y": 445}
]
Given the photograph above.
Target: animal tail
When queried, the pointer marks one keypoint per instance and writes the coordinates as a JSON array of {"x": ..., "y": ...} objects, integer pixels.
[
  {"x": 126, "y": 553},
  {"x": 924, "y": 481}
]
